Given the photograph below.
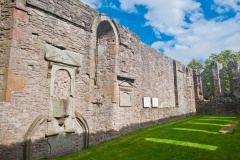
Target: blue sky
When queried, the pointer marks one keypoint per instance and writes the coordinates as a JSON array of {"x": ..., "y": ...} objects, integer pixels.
[{"x": 180, "y": 29}]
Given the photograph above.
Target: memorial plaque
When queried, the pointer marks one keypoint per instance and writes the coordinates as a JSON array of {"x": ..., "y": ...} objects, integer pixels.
[
  {"x": 126, "y": 89},
  {"x": 154, "y": 102},
  {"x": 125, "y": 99},
  {"x": 60, "y": 107},
  {"x": 146, "y": 102}
]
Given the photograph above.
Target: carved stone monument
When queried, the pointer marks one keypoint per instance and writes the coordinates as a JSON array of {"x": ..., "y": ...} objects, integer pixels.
[
  {"x": 63, "y": 66},
  {"x": 126, "y": 89}
]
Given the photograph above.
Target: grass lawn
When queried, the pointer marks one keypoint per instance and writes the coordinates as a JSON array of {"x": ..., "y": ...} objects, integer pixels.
[{"x": 194, "y": 138}]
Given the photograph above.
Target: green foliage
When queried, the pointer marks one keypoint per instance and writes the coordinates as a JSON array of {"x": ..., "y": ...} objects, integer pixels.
[
  {"x": 224, "y": 57},
  {"x": 195, "y": 64},
  {"x": 186, "y": 139}
]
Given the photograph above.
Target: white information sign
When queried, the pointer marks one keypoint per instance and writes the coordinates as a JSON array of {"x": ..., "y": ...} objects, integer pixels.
[
  {"x": 154, "y": 102},
  {"x": 146, "y": 102}
]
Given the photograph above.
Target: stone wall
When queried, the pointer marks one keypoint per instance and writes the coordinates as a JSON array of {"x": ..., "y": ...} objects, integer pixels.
[
  {"x": 219, "y": 106},
  {"x": 77, "y": 78},
  {"x": 5, "y": 43}
]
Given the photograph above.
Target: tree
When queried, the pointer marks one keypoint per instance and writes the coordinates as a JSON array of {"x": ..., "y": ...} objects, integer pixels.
[
  {"x": 224, "y": 57},
  {"x": 195, "y": 64}
]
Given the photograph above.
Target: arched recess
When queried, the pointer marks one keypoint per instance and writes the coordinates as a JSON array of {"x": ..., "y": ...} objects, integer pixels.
[
  {"x": 107, "y": 48},
  {"x": 27, "y": 148},
  {"x": 85, "y": 127}
]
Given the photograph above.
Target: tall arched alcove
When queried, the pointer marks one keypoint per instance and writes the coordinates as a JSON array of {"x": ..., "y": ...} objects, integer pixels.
[{"x": 106, "y": 58}]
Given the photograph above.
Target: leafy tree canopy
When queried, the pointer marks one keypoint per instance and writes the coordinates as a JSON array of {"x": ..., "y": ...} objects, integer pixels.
[
  {"x": 195, "y": 64},
  {"x": 223, "y": 57}
]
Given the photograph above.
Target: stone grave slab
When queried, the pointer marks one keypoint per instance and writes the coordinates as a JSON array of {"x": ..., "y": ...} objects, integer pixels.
[{"x": 226, "y": 130}]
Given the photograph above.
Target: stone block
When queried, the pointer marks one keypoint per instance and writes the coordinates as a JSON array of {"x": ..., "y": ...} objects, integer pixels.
[
  {"x": 108, "y": 89},
  {"x": 14, "y": 83},
  {"x": 20, "y": 15}
]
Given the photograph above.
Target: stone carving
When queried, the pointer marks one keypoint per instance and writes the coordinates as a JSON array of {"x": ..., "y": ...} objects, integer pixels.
[
  {"x": 125, "y": 92},
  {"x": 154, "y": 102},
  {"x": 63, "y": 69},
  {"x": 57, "y": 55},
  {"x": 146, "y": 102}
]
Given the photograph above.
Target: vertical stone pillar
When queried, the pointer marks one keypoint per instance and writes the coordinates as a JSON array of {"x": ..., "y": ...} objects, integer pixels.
[
  {"x": 204, "y": 84},
  {"x": 216, "y": 79},
  {"x": 234, "y": 78},
  {"x": 175, "y": 83},
  {"x": 200, "y": 84},
  {"x": 6, "y": 36}
]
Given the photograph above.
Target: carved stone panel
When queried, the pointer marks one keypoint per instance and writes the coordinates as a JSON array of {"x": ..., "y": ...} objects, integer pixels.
[
  {"x": 125, "y": 99},
  {"x": 126, "y": 89},
  {"x": 54, "y": 54},
  {"x": 63, "y": 65},
  {"x": 60, "y": 107}
]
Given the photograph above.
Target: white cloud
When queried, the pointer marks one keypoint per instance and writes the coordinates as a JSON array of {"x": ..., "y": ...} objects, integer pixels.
[
  {"x": 93, "y": 3},
  {"x": 194, "y": 36},
  {"x": 225, "y": 5},
  {"x": 113, "y": 6}
]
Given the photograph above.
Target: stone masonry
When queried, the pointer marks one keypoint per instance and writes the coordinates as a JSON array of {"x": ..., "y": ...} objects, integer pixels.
[{"x": 71, "y": 77}]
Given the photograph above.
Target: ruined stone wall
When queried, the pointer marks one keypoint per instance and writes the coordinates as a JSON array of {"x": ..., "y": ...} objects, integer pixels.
[
  {"x": 219, "y": 102},
  {"x": 219, "y": 106},
  {"x": 79, "y": 78}
]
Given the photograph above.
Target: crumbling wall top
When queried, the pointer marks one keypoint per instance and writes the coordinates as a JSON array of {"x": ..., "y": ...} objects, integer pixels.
[
  {"x": 73, "y": 11},
  {"x": 126, "y": 36}
]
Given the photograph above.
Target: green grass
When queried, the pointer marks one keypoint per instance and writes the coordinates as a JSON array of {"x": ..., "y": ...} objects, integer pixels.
[{"x": 194, "y": 138}]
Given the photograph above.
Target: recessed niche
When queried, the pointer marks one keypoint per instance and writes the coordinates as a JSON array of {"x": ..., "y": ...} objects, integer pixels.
[{"x": 125, "y": 92}]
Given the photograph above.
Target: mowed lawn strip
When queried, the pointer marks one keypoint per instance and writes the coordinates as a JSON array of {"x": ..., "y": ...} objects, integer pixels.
[{"x": 190, "y": 138}]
